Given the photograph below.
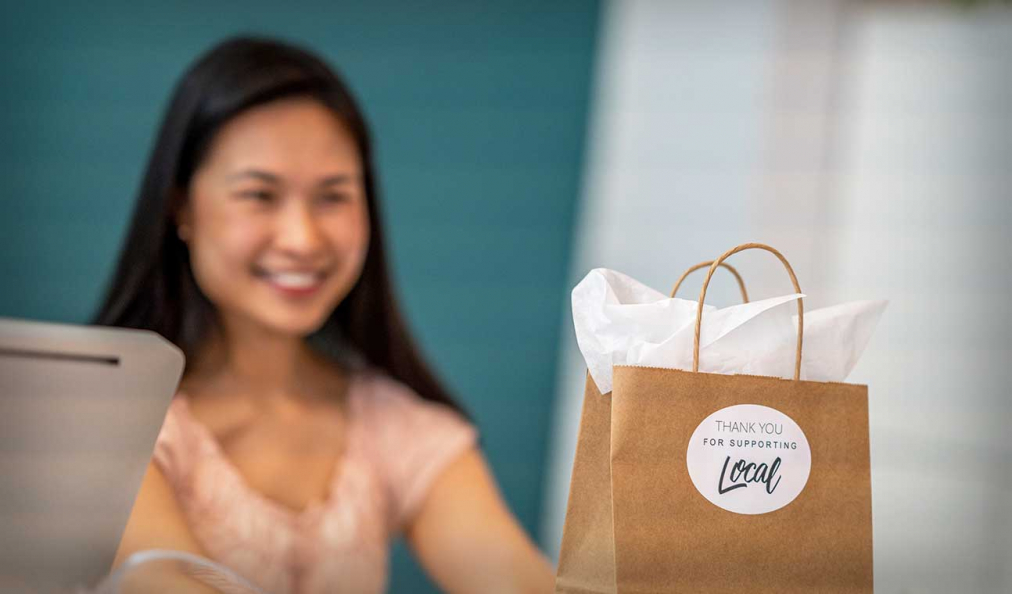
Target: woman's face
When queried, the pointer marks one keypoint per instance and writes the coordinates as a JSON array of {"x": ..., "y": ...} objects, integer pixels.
[{"x": 276, "y": 217}]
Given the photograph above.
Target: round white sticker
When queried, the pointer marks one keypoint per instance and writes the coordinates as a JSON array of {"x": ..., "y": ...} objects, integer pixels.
[{"x": 749, "y": 459}]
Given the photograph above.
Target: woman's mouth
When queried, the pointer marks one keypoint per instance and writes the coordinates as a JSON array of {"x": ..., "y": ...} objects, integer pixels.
[{"x": 293, "y": 283}]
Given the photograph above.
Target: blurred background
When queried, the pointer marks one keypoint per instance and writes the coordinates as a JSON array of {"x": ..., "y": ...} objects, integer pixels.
[{"x": 523, "y": 143}]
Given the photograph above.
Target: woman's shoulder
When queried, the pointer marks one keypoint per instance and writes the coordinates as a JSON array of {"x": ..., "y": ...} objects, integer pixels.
[
  {"x": 178, "y": 441},
  {"x": 378, "y": 393},
  {"x": 395, "y": 417}
]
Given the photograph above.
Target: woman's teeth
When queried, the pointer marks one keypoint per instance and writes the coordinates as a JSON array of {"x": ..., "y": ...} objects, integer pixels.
[{"x": 294, "y": 280}]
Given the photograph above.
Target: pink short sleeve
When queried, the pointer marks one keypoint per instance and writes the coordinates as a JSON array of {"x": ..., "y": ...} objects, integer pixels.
[
  {"x": 173, "y": 449},
  {"x": 415, "y": 439}
]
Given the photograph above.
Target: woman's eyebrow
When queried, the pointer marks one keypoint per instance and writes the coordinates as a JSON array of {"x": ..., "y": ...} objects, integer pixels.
[
  {"x": 339, "y": 178},
  {"x": 330, "y": 180},
  {"x": 256, "y": 174}
]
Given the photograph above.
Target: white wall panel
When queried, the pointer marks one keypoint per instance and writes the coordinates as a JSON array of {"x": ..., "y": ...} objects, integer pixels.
[{"x": 674, "y": 149}]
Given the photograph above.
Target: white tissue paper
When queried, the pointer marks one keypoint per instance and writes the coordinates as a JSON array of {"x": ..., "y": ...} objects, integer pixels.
[{"x": 620, "y": 321}]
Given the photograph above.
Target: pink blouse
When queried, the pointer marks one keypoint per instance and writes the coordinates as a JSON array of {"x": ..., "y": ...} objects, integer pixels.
[{"x": 397, "y": 444}]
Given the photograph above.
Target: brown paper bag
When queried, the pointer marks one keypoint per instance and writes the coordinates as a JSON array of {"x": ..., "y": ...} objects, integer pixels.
[
  {"x": 587, "y": 553},
  {"x": 721, "y": 483}
]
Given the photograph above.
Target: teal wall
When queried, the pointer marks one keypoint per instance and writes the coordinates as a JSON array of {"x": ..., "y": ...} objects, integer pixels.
[{"x": 479, "y": 111}]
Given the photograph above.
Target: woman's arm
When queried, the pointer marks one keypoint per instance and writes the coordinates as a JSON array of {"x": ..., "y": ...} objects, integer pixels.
[
  {"x": 157, "y": 522},
  {"x": 468, "y": 540}
]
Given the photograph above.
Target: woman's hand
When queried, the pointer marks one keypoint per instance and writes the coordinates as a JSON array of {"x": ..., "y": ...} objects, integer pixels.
[{"x": 468, "y": 540}]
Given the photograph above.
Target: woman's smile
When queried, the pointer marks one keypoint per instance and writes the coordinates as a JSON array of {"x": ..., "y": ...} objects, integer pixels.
[{"x": 293, "y": 283}]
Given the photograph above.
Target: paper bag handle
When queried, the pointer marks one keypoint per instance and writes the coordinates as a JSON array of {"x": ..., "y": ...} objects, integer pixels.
[
  {"x": 707, "y": 264},
  {"x": 706, "y": 283}
]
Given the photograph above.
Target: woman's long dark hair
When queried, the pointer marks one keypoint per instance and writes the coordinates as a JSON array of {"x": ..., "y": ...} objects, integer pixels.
[{"x": 153, "y": 287}]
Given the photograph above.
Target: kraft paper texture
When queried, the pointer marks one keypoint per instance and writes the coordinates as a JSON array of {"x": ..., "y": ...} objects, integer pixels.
[{"x": 636, "y": 523}]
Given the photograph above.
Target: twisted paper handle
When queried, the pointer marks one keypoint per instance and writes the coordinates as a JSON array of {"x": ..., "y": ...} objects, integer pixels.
[
  {"x": 707, "y": 264},
  {"x": 706, "y": 283}
]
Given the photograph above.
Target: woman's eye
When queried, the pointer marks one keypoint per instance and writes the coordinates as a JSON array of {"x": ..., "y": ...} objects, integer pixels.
[
  {"x": 334, "y": 197},
  {"x": 258, "y": 195}
]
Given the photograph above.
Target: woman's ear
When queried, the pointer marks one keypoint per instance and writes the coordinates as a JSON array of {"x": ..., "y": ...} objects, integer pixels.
[{"x": 183, "y": 219}]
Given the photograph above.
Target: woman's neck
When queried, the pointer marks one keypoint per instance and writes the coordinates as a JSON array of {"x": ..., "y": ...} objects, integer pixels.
[{"x": 259, "y": 362}]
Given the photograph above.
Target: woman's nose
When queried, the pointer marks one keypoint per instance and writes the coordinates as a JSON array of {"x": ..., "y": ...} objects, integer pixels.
[{"x": 297, "y": 230}]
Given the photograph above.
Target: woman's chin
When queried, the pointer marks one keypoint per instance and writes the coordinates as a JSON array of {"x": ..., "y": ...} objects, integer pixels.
[{"x": 293, "y": 326}]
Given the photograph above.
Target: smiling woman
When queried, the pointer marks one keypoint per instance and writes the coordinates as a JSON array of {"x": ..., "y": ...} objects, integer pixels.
[
  {"x": 276, "y": 221},
  {"x": 307, "y": 431}
]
